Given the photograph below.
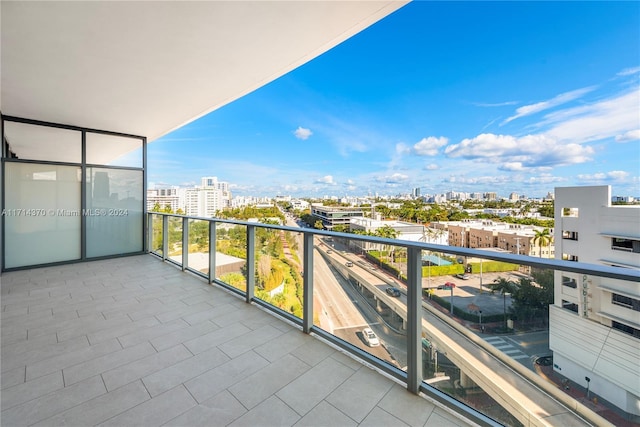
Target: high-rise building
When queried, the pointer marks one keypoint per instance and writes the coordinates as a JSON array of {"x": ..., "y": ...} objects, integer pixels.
[
  {"x": 594, "y": 328},
  {"x": 205, "y": 200}
]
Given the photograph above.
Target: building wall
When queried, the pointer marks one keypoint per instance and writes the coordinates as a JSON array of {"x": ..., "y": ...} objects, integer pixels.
[{"x": 587, "y": 315}]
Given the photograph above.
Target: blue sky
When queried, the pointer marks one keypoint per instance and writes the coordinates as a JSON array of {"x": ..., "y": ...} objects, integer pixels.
[{"x": 464, "y": 96}]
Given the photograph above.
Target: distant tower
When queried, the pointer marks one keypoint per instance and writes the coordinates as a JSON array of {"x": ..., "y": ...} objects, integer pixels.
[{"x": 101, "y": 185}]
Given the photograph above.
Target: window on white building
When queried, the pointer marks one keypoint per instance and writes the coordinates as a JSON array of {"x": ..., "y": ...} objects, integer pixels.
[
  {"x": 628, "y": 245},
  {"x": 624, "y": 301},
  {"x": 569, "y": 282},
  {"x": 570, "y": 212},
  {"x": 569, "y": 306}
]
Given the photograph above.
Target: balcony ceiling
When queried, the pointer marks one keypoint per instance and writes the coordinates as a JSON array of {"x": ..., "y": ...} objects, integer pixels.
[{"x": 147, "y": 67}]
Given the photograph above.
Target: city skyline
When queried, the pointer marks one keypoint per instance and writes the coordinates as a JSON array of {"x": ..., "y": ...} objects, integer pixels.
[{"x": 434, "y": 97}]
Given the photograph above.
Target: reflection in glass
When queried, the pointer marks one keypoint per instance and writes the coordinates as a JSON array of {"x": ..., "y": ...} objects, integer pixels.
[
  {"x": 113, "y": 212},
  {"x": 113, "y": 150},
  {"x": 33, "y": 142}
]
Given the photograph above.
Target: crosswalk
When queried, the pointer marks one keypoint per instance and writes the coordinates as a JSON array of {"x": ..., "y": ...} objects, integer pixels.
[{"x": 504, "y": 346}]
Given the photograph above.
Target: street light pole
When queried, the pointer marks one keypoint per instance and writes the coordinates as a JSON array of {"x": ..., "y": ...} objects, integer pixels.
[
  {"x": 480, "y": 266},
  {"x": 588, "y": 380},
  {"x": 452, "y": 300},
  {"x": 481, "y": 327}
]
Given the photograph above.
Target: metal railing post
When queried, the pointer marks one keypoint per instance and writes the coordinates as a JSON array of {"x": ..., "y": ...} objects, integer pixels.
[
  {"x": 212, "y": 251},
  {"x": 251, "y": 262},
  {"x": 165, "y": 236},
  {"x": 307, "y": 280},
  {"x": 185, "y": 243},
  {"x": 414, "y": 320},
  {"x": 149, "y": 232}
]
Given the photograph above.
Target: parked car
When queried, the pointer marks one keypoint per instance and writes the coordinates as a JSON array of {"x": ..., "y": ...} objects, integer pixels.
[
  {"x": 464, "y": 276},
  {"x": 394, "y": 292},
  {"x": 370, "y": 337},
  {"x": 447, "y": 285}
]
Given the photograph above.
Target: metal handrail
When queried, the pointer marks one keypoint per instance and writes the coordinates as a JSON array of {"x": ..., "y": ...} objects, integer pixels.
[{"x": 413, "y": 375}]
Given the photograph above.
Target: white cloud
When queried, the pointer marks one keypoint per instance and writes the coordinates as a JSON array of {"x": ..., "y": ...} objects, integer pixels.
[
  {"x": 478, "y": 180},
  {"x": 327, "y": 179},
  {"x": 604, "y": 119},
  {"x": 603, "y": 176},
  {"x": 429, "y": 146},
  {"x": 518, "y": 153},
  {"x": 544, "y": 179},
  {"x": 497, "y": 104},
  {"x": 629, "y": 71},
  {"x": 302, "y": 133},
  {"x": 402, "y": 148},
  {"x": 395, "y": 178},
  {"x": 512, "y": 166},
  {"x": 631, "y": 135},
  {"x": 527, "y": 110},
  {"x": 432, "y": 167}
]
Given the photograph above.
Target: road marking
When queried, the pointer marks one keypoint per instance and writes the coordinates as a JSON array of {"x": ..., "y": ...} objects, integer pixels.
[{"x": 507, "y": 348}]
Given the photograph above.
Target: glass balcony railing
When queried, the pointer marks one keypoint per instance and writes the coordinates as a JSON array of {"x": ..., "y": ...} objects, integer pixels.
[{"x": 437, "y": 318}]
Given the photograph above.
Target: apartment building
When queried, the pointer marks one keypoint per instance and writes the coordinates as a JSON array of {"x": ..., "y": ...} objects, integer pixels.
[
  {"x": 172, "y": 197},
  {"x": 208, "y": 198},
  {"x": 483, "y": 234},
  {"x": 595, "y": 322}
]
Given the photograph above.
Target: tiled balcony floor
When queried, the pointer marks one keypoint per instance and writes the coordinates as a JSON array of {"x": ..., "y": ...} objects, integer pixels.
[{"x": 134, "y": 341}]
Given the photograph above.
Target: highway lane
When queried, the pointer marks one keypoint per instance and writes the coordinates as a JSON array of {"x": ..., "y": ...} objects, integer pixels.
[
  {"x": 336, "y": 306},
  {"x": 514, "y": 392}
]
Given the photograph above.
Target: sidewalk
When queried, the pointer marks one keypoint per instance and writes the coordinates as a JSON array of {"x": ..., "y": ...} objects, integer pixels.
[{"x": 579, "y": 393}]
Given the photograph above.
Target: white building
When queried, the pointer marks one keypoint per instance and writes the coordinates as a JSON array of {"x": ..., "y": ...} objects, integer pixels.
[
  {"x": 299, "y": 204},
  {"x": 207, "y": 199},
  {"x": 595, "y": 322},
  {"x": 406, "y": 231},
  {"x": 171, "y": 197}
]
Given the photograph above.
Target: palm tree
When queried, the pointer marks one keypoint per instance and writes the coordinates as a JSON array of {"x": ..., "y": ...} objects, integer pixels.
[
  {"x": 387, "y": 232},
  {"x": 505, "y": 287},
  {"x": 542, "y": 238}
]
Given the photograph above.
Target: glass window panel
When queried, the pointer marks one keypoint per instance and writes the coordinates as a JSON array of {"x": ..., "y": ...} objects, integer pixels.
[
  {"x": 113, "y": 212},
  {"x": 156, "y": 227},
  {"x": 278, "y": 269},
  {"x": 175, "y": 239},
  {"x": 113, "y": 150},
  {"x": 33, "y": 142},
  {"x": 199, "y": 245},
  {"x": 42, "y": 214},
  {"x": 231, "y": 255}
]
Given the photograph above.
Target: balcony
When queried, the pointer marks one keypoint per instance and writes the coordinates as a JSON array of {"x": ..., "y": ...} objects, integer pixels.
[
  {"x": 136, "y": 341},
  {"x": 131, "y": 339}
]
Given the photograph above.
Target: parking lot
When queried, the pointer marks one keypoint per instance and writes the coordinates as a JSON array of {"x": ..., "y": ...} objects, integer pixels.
[{"x": 466, "y": 293}]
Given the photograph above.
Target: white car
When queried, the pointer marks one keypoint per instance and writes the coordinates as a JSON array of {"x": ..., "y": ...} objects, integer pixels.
[{"x": 370, "y": 337}]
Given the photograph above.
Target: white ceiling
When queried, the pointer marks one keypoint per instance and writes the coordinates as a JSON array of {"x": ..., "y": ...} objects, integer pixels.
[{"x": 149, "y": 67}]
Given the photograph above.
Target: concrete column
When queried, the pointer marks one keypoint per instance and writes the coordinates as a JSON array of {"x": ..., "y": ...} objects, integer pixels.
[{"x": 465, "y": 381}]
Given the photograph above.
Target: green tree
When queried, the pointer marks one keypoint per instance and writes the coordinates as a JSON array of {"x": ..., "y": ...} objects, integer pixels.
[
  {"x": 341, "y": 228},
  {"x": 547, "y": 209},
  {"x": 542, "y": 238},
  {"x": 505, "y": 287},
  {"x": 318, "y": 225}
]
